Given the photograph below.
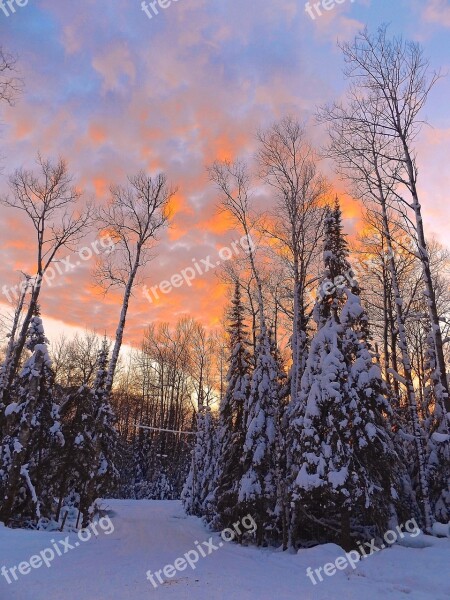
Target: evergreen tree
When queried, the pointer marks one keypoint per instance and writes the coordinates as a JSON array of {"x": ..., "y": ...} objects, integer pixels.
[
  {"x": 196, "y": 494},
  {"x": 343, "y": 460},
  {"x": 231, "y": 430},
  {"x": 329, "y": 302},
  {"x": 100, "y": 438},
  {"x": 337, "y": 269},
  {"x": 259, "y": 482},
  {"x": 377, "y": 495},
  {"x": 86, "y": 464},
  {"x": 282, "y": 494},
  {"x": 32, "y": 432}
]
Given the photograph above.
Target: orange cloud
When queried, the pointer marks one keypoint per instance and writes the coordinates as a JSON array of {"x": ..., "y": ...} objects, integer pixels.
[
  {"x": 18, "y": 244},
  {"x": 97, "y": 134},
  {"x": 114, "y": 93},
  {"x": 101, "y": 186}
]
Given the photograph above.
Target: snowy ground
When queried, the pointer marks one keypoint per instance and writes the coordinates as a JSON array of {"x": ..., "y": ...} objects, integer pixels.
[{"x": 149, "y": 535}]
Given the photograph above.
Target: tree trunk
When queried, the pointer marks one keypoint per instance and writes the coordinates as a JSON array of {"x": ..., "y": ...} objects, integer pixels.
[
  {"x": 407, "y": 372},
  {"x": 121, "y": 326},
  {"x": 346, "y": 538},
  {"x": 441, "y": 375},
  {"x": 12, "y": 366}
]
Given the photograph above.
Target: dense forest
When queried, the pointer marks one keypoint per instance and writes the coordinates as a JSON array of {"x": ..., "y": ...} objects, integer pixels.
[{"x": 320, "y": 405}]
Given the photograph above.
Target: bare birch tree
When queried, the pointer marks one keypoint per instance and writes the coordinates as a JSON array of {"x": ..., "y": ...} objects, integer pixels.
[
  {"x": 48, "y": 200},
  {"x": 134, "y": 217},
  {"x": 261, "y": 473},
  {"x": 289, "y": 164},
  {"x": 362, "y": 155},
  {"x": 391, "y": 79}
]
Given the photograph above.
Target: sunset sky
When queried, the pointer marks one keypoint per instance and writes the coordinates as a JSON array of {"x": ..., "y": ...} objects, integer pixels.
[{"x": 113, "y": 91}]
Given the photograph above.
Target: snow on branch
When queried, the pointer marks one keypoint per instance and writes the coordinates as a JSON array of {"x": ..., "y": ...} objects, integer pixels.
[{"x": 397, "y": 376}]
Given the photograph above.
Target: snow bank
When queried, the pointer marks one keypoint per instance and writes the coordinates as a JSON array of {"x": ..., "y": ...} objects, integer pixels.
[{"x": 151, "y": 534}]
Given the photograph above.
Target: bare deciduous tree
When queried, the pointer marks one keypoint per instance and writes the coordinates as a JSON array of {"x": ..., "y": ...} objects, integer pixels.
[
  {"x": 289, "y": 164},
  {"x": 75, "y": 360},
  {"x": 48, "y": 199},
  {"x": 10, "y": 83},
  {"x": 362, "y": 153},
  {"x": 233, "y": 181},
  {"x": 390, "y": 81},
  {"x": 133, "y": 218}
]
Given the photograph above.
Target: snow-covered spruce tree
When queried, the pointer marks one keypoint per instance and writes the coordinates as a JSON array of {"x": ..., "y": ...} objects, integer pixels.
[
  {"x": 370, "y": 419},
  {"x": 148, "y": 473},
  {"x": 345, "y": 459},
  {"x": 257, "y": 489},
  {"x": 33, "y": 432},
  {"x": 81, "y": 452},
  {"x": 101, "y": 439},
  {"x": 337, "y": 269},
  {"x": 259, "y": 481},
  {"x": 197, "y": 491},
  {"x": 231, "y": 430},
  {"x": 6, "y": 366},
  {"x": 74, "y": 462},
  {"x": 330, "y": 301},
  {"x": 437, "y": 428},
  {"x": 283, "y": 499},
  {"x": 138, "y": 468},
  {"x": 370, "y": 162}
]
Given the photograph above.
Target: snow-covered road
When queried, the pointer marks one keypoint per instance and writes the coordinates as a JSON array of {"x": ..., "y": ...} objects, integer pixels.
[{"x": 149, "y": 535}]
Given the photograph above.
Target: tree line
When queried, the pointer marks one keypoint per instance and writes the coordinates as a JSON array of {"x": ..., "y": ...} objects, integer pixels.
[
  {"x": 321, "y": 407},
  {"x": 59, "y": 444},
  {"x": 351, "y": 430}
]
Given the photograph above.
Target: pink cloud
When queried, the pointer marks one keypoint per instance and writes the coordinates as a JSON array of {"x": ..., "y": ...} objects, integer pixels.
[
  {"x": 113, "y": 62},
  {"x": 114, "y": 92},
  {"x": 437, "y": 11}
]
